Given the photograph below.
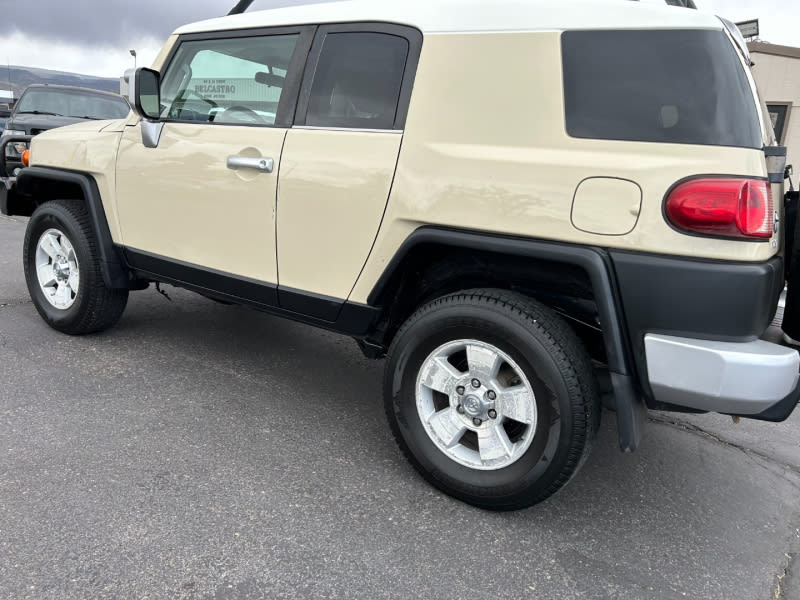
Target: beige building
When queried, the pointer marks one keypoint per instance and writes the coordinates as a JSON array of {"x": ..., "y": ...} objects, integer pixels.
[{"x": 777, "y": 73}]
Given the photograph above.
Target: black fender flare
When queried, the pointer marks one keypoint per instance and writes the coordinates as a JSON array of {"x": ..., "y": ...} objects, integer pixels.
[
  {"x": 112, "y": 265},
  {"x": 596, "y": 262}
]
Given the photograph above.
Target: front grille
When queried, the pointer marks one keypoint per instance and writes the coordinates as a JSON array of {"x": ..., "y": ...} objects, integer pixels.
[{"x": 37, "y": 131}]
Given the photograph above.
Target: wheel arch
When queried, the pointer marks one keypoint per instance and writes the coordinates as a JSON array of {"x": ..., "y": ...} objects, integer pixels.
[
  {"x": 434, "y": 261},
  {"x": 37, "y": 185}
]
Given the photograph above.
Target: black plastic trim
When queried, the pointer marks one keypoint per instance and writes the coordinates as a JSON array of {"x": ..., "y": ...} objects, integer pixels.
[
  {"x": 596, "y": 262},
  {"x": 350, "y": 318},
  {"x": 704, "y": 299},
  {"x": 414, "y": 38},
  {"x": 178, "y": 271},
  {"x": 111, "y": 264},
  {"x": 316, "y": 305},
  {"x": 779, "y": 411},
  {"x": 631, "y": 412},
  {"x": 716, "y": 300},
  {"x": 780, "y": 151},
  {"x": 294, "y": 74}
]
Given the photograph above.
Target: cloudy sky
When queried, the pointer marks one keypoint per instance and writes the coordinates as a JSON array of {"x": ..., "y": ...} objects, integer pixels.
[{"x": 93, "y": 36}]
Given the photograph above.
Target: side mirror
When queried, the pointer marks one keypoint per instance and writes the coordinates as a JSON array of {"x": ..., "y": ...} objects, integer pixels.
[
  {"x": 144, "y": 93},
  {"x": 144, "y": 96}
]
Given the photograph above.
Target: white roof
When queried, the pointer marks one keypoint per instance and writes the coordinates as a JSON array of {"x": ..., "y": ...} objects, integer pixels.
[{"x": 455, "y": 16}]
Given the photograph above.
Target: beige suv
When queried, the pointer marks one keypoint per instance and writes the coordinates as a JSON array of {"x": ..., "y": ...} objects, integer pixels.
[{"x": 523, "y": 206}]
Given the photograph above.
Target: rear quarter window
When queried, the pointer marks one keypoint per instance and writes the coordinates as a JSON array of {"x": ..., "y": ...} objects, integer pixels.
[{"x": 672, "y": 86}]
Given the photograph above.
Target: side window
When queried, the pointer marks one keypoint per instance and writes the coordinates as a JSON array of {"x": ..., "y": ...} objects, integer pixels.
[
  {"x": 233, "y": 81},
  {"x": 677, "y": 86},
  {"x": 357, "y": 81}
]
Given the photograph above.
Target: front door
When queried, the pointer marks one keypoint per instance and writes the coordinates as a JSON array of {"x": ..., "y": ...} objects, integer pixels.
[{"x": 200, "y": 205}]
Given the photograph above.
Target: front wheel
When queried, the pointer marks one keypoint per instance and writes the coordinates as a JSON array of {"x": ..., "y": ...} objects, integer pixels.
[
  {"x": 62, "y": 270},
  {"x": 492, "y": 398}
]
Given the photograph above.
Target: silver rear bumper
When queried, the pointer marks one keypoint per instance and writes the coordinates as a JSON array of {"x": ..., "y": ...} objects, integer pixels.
[{"x": 744, "y": 378}]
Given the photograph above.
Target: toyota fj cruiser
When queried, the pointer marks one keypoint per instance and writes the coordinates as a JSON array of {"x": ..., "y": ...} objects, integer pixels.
[{"x": 518, "y": 204}]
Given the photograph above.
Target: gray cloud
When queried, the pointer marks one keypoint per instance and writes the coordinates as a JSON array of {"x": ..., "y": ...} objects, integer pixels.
[
  {"x": 100, "y": 23},
  {"x": 97, "y": 23}
]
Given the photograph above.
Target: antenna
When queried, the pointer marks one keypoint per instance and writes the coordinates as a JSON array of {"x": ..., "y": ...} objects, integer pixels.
[{"x": 240, "y": 7}]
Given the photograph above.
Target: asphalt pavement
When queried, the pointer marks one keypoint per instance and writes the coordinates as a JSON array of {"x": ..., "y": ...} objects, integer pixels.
[{"x": 206, "y": 451}]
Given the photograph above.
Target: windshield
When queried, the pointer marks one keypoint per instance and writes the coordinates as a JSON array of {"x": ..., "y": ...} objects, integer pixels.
[{"x": 68, "y": 103}]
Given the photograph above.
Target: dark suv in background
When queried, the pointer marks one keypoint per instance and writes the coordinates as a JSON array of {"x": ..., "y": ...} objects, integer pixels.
[
  {"x": 5, "y": 112},
  {"x": 44, "y": 107}
]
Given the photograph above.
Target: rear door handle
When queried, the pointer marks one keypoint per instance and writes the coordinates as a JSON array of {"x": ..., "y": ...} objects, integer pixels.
[{"x": 263, "y": 164}]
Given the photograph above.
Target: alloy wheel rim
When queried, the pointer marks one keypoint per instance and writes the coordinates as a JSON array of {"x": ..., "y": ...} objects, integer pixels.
[
  {"x": 57, "y": 269},
  {"x": 476, "y": 404}
]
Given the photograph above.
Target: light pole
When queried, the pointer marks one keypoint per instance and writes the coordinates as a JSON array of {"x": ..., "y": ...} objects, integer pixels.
[{"x": 133, "y": 54}]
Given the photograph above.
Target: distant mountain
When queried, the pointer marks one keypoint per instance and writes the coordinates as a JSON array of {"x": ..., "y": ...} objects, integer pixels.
[{"x": 21, "y": 77}]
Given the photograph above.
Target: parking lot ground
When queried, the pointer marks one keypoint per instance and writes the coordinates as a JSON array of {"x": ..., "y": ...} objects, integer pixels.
[{"x": 204, "y": 451}]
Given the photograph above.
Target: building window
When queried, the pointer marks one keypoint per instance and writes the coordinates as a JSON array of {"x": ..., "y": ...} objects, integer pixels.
[{"x": 779, "y": 115}]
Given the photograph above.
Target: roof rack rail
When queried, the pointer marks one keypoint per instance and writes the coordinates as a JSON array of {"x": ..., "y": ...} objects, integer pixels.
[
  {"x": 683, "y": 3},
  {"x": 242, "y": 6}
]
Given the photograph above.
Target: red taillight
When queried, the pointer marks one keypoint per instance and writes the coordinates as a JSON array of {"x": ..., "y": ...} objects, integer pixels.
[{"x": 725, "y": 206}]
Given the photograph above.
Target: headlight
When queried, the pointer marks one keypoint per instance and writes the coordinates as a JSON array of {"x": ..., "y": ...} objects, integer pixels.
[
  {"x": 12, "y": 149},
  {"x": 15, "y": 149}
]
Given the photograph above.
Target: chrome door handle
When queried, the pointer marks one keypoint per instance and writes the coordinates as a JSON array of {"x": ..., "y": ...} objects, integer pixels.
[{"x": 265, "y": 165}]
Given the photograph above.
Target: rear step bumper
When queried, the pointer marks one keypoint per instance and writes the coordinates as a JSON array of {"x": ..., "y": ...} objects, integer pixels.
[{"x": 755, "y": 379}]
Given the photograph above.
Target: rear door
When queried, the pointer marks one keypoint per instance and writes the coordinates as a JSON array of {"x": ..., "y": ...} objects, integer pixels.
[{"x": 339, "y": 160}]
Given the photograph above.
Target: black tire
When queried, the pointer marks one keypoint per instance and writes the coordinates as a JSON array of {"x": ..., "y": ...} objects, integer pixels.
[
  {"x": 95, "y": 307},
  {"x": 555, "y": 364}
]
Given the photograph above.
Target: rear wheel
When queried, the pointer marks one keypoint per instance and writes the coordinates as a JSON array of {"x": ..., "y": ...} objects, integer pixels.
[
  {"x": 62, "y": 270},
  {"x": 492, "y": 398}
]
